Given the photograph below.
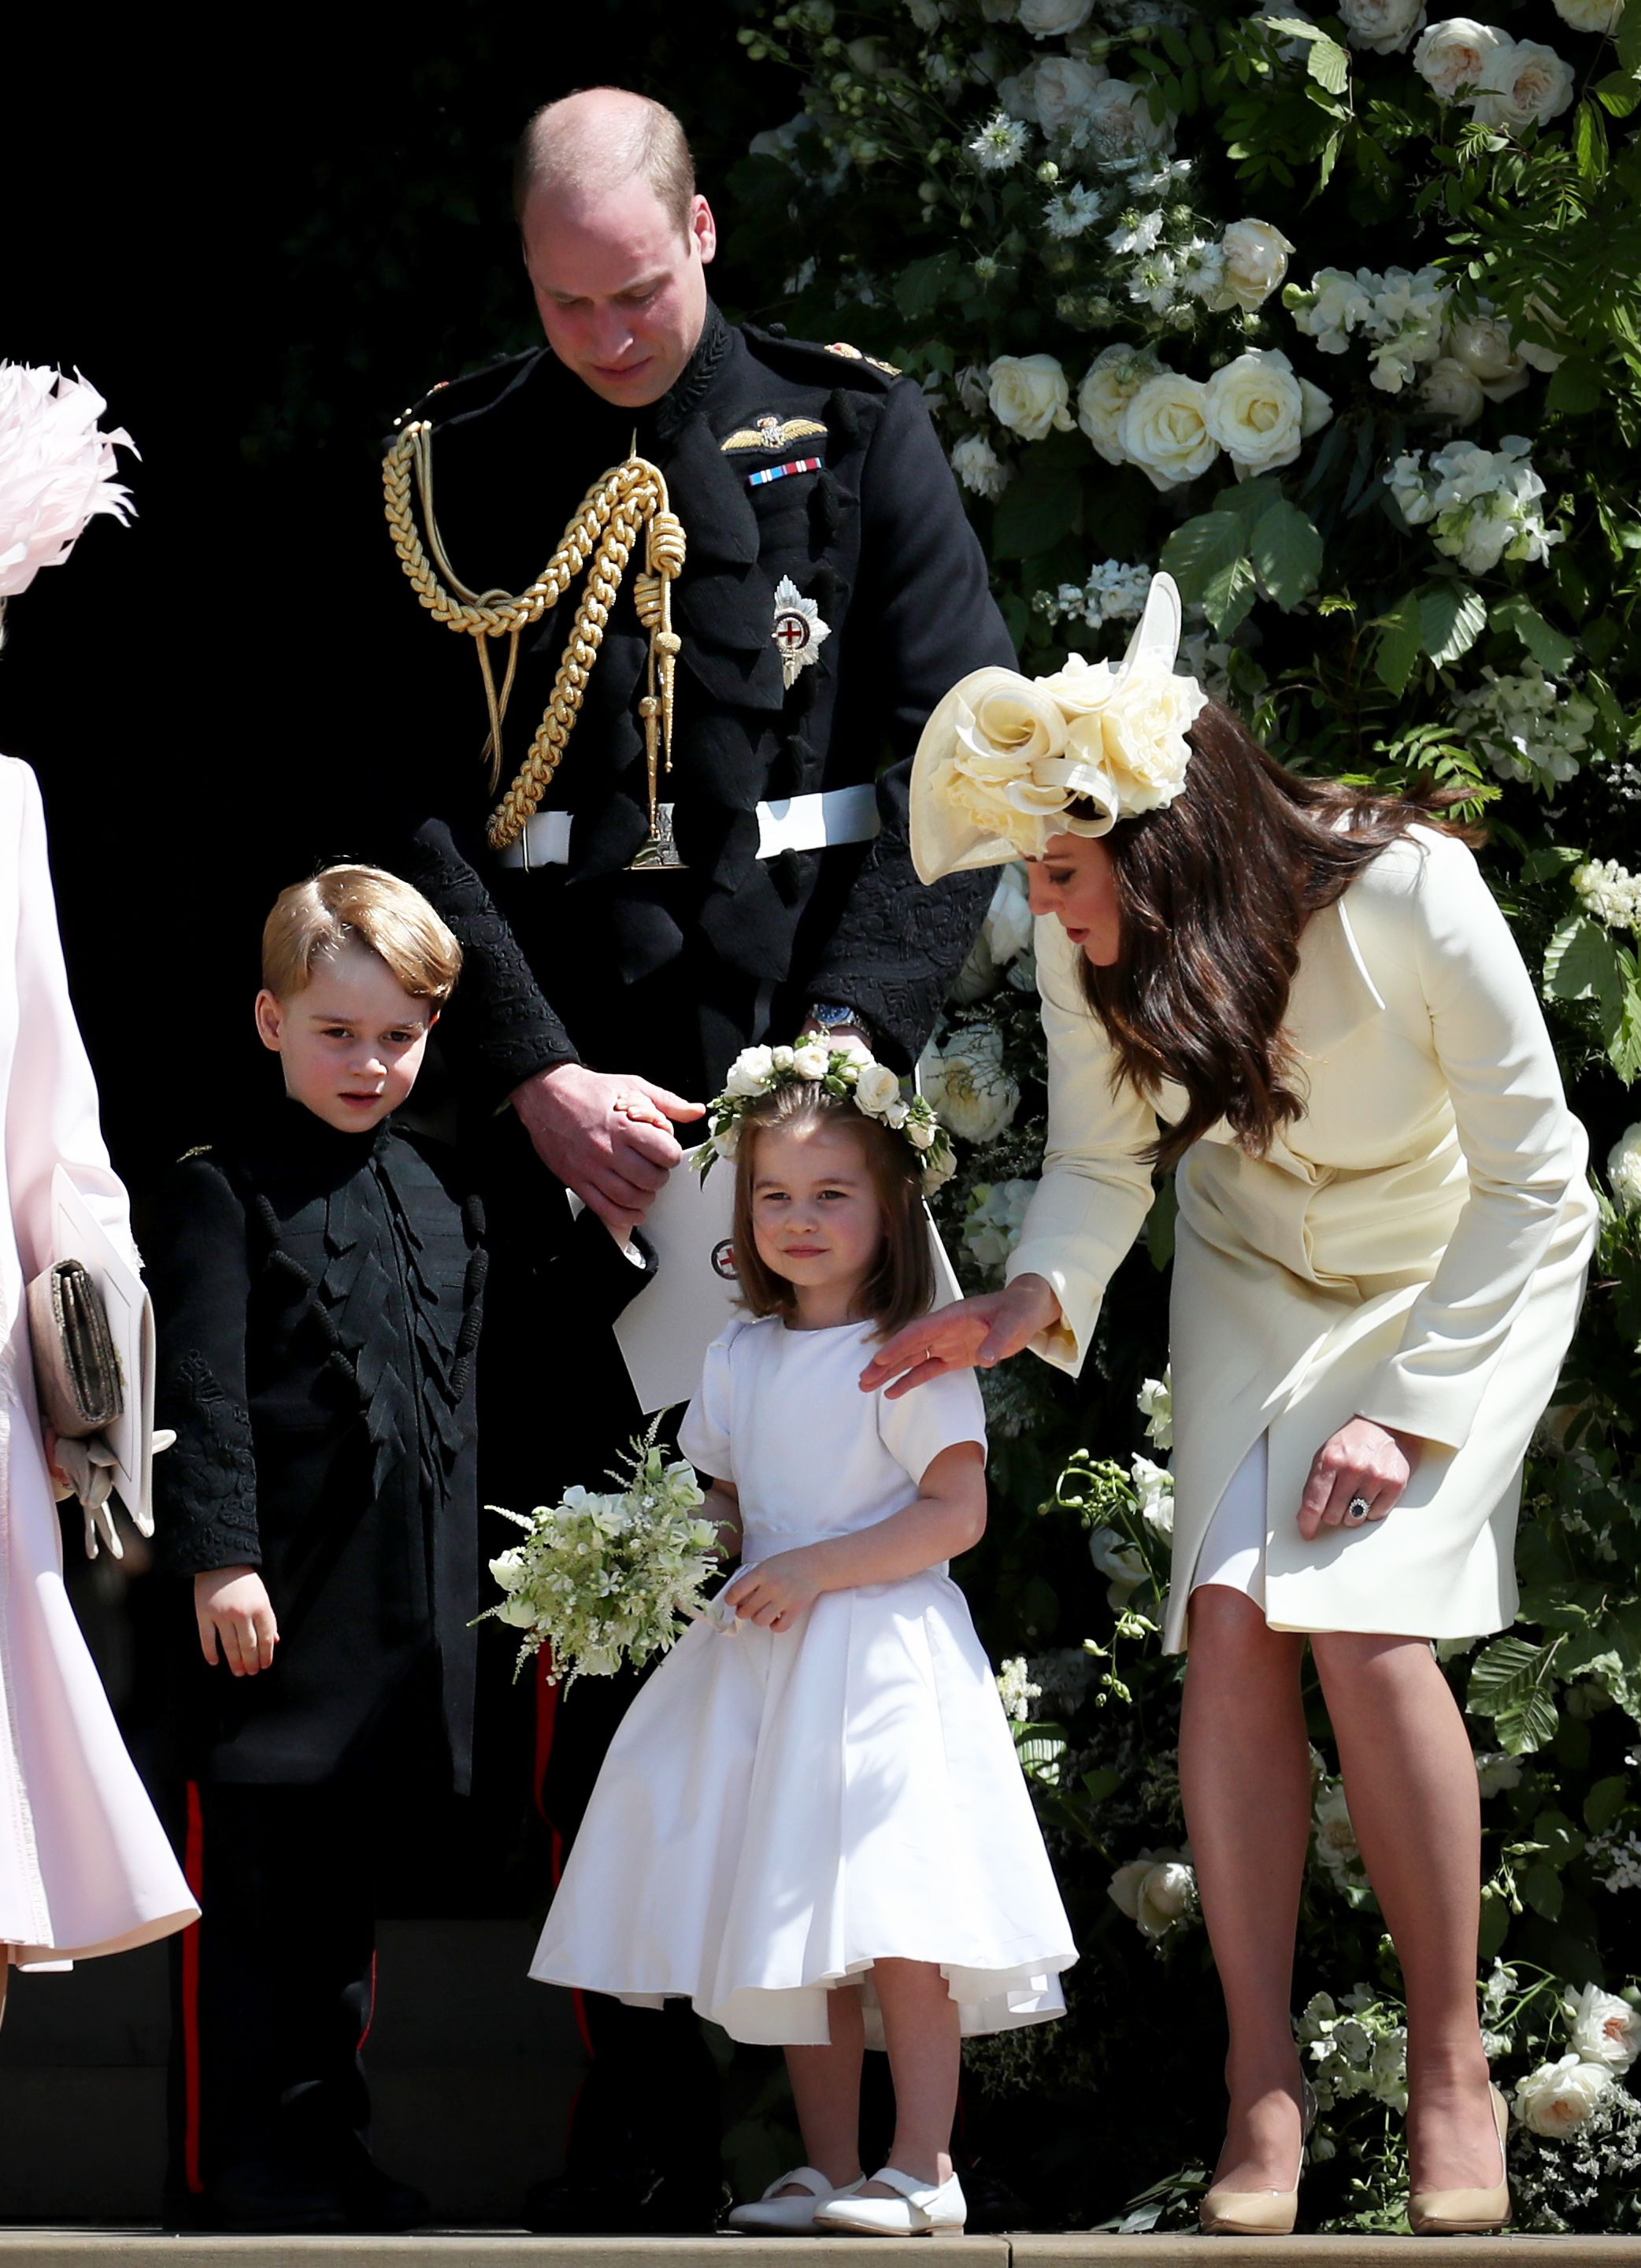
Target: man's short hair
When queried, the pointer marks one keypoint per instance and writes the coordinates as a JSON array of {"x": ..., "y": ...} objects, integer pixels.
[
  {"x": 553, "y": 154},
  {"x": 313, "y": 921}
]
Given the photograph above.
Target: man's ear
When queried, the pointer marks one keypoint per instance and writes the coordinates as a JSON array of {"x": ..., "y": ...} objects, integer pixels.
[
  {"x": 703, "y": 228},
  {"x": 270, "y": 1020}
]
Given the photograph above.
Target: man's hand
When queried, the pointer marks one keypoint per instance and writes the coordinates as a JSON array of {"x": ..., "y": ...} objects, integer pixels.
[
  {"x": 1362, "y": 1461},
  {"x": 609, "y": 1139},
  {"x": 232, "y": 1603},
  {"x": 968, "y": 1335},
  {"x": 776, "y": 1592}
]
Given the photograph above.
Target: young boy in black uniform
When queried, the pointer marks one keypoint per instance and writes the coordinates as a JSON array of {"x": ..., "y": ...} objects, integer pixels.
[{"x": 317, "y": 1282}]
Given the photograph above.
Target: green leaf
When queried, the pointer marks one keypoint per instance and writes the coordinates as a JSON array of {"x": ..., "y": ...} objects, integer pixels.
[
  {"x": 1228, "y": 595},
  {"x": 1199, "y": 549},
  {"x": 1577, "y": 387},
  {"x": 1399, "y": 645},
  {"x": 1159, "y": 1226},
  {"x": 1541, "y": 1886},
  {"x": 1589, "y": 142},
  {"x": 919, "y": 289},
  {"x": 1452, "y": 617},
  {"x": 1553, "y": 653},
  {"x": 1603, "y": 1803},
  {"x": 1581, "y": 963},
  {"x": 1100, "y": 1782},
  {"x": 1623, "y": 1043},
  {"x": 1287, "y": 553},
  {"x": 1561, "y": 1840},
  {"x": 1034, "y": 512},
  {"x": 1507, "y": 1684},
  {"x": 1329, "y": 64}
]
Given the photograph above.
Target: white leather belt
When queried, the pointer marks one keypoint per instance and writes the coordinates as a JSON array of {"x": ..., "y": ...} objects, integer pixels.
[{"x": 798, "y": 822}]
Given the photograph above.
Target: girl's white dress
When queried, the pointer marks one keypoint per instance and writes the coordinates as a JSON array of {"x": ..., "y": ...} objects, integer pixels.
[{"x": 777, "y": 1813}]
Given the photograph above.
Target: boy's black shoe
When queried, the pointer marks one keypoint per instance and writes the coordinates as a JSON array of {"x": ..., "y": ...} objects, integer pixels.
[
  {"x": 253, "y": 2201},
  {"x": 377, "y": 2204},
  {"x": 641, "y": 2203}
]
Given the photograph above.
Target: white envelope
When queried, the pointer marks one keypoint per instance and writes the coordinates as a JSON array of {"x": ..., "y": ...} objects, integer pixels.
[
  {"x": 77, "y": 1234},
  {"x": 665, "y": 1334}
]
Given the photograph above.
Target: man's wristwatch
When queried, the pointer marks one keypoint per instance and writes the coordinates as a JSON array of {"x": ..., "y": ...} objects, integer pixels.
[{"x": 833, "y": 1016}]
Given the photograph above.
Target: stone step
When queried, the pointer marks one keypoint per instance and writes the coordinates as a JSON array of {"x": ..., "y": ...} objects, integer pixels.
[{"x": 63, "y": 2248}]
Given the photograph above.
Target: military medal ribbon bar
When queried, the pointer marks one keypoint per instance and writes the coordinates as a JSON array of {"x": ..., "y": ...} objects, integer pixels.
[{"x": 780, "y": 472}]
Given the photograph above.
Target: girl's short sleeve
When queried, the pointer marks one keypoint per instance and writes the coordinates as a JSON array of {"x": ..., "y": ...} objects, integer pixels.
[
  {"x": 704, "y": 1435},
  {"x": 914, "y": 1428}
]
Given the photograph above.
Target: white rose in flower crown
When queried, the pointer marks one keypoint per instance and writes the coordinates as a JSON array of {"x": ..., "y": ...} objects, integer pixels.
[
  {"x": 1256, "y": 410},
  {"x": 1029, "y": 394},
  {"x": 1451, "y": 392},
  {"x": 1062, "y": 90},
  {"x": 1559, "y": 2097},
  {"x": 751, "y": 1071},
  {"x": 782, "y": 1058},
  {"x": 876, "y": 1088},
  {"x": 809, "y": 1060},
  {"x": 1383, "y": 27},
  {"x": 1450, "y": 56},
  {"x": 1482, "y": 343},
  {"x": 1118, "y": 123},
  {"x": 728, "y": 1142},
  {"x": 1255, "y": 256},
  {"x": 1110, "y": 383},
  {"x": 1591, "y": 15},
  {"x": 1623, "y": 1168},
  {"x": 1164, "y": 430},
  {"x": 1522, "y": 83},
  {"x": 921, "y": 1132},
  {"x": 1051, "y": 20},
  {"x": 1601, "y": 2027}
]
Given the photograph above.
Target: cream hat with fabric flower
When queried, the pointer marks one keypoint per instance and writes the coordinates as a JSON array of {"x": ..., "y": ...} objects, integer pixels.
[{"x": 1006, "y": 761}]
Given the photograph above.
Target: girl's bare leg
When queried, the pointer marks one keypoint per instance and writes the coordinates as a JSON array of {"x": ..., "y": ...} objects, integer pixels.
[
  {"x": 920, "y": 2030},
  {"x": 1245, "y": 1776},
  {"x": 1410, "y": 1780},
  {"x": 826, "y": 2089}
]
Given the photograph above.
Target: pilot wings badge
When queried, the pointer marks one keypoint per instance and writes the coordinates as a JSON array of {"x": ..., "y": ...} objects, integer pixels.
[
  {"x": 770, "y": 432},
  {"x": 799, "y": 631}
]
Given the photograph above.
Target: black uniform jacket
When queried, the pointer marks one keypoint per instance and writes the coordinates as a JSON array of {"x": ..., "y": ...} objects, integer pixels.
[
  {"x": 669, "y": 974},
  {"x": 317, "y": 1296}
]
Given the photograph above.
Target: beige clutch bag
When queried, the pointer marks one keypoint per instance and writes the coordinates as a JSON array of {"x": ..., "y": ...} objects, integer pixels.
[{"x": 76, "y": 1369}]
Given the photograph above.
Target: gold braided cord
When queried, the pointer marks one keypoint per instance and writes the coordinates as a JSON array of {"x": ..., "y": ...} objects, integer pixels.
[{"x": 626, "y": 503}]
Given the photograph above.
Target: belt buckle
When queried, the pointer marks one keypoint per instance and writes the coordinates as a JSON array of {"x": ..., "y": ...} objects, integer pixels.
[{"x": 659, "y": 853}]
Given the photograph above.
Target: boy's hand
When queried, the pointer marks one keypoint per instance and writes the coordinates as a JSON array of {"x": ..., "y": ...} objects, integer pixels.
[
  {"x": 776, "y": 1592},
  {"x": 609, "y": 1139},
  {"x": 232, "y": 1603}
]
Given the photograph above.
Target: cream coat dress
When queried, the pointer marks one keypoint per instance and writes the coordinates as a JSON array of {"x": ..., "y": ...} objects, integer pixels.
[{"x": 1412, "y": 1249}]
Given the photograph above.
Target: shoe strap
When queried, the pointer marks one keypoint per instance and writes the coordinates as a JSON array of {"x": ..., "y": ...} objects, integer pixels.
[
  {"x": 914, "y": 2191},
  {"x": 801, "y": 2178}
]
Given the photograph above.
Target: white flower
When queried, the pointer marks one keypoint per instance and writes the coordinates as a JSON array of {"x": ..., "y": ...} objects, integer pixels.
[
  {"x": 875, "y": 1089},
  {"x": 727, "y": 1141},
  {"x": 1156, "y": 1404},
  {"x": 809, "y": 1061},
  {"x": 783, "y": 1058},
  {"x": 509, "y": 1569},
  {"x": 1072, "y": 213},
  {"x": 56, "y": 469},
  {"x": 971, "y": 383},
  {"x": 1405, "y": 323},
  {"x": 978, "y": 467},
  {"x": 1450, "y": 55},
  {"x": 1610, "y": 892},
  {"x": 1589, "y": 15},
  {"x": 1335, "y": 1844},
  {"x": 1118, "y": 124},
  {"x": 1482, "y": 343},
  {"x": 1127, "y": 738},
  {"x": 752, "y": 1072},
  {"x": 1015, "y": 1688},
  {"x": 1110, "y": 383},
  {"x": 1120, "y": 1563},
  {"x": 999, "y": 143},
  {"x": 1530, "y": 729},
  {"x": 1256, "y": 410},
  {"x": 1255, "y": 260},
  {"x": 1495, "y": 1770},
  {"x": 1452, "y": 392},
  {"x": 1136, "y": 231},
  {"x": 1522, "y": 83},
  {"x": 1382, "y": 26},
  {"x": 1154, "y": 1890},
  {"x": 1154, "y": 281},
  {"x": 921, "y": 1132},
  {"x": 1601, "y": 2027},
  {"x": 924, "y": 13},
  {"x": 996, "y": 1214},
  {"x": 1061, "y": 89},
  {"x": 1029, "y": 394},
  {"x": 1623, "y": 1168},
  {"x": 1336, "y": 305},
  {"x": 1050, "y": 19},
  {"x": 1007, "y": 928},
  {"x": 965, "y": 1082},
  {"x": 1559, "y": 2097},
  {"x": 1164, "y": 430},
  {"x": 1154, "y": 1484}
]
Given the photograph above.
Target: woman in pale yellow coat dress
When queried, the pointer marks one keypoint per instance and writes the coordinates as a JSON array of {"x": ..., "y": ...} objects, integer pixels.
[{"x": 1313, "y": 1006}]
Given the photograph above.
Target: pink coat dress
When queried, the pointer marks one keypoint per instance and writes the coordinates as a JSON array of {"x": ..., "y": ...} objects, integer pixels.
[{"x": 84, "y": 1864}]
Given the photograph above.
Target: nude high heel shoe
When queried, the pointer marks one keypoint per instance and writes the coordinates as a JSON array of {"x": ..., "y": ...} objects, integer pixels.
[
  {"x": 1466, "y": 2212},
  {"x": 1260, "y": 2212}
]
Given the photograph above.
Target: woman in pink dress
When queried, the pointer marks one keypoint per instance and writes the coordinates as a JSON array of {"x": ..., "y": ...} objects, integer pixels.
[{"x": 84, "y": 1864}]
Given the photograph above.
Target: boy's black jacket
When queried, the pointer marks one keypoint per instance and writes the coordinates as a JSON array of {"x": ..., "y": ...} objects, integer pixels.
[{"x": 318, "y": 1297}]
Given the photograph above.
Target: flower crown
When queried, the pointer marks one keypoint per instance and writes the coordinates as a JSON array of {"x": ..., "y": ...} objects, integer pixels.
[
  {"x": 847, "y": 1071},
  {"x": 1005, "y": 762}
]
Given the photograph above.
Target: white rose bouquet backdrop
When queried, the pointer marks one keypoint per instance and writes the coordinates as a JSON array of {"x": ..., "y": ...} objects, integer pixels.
[{"x": 1337, "y": 317}]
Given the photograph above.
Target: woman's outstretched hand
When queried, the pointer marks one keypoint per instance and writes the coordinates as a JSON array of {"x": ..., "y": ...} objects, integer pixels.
[
  {"x": 1362, "y": 1460},
  {"x": 969, "y": 1335}
]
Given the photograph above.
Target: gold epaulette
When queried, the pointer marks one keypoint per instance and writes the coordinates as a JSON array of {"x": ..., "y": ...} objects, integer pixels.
[{"x": 853, "y": 354}]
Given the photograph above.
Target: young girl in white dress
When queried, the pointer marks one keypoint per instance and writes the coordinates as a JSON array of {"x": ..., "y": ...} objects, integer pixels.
[{"x": 812, "y": 1822}]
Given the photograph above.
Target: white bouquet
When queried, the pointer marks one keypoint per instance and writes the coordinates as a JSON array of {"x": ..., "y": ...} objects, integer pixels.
[{"x": 603, "y": 1578}]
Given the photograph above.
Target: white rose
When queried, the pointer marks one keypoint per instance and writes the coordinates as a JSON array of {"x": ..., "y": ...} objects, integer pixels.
[
  {"x": 1062, "y": 90},
  {"x": 1559, "y": 2097},
  {"x": 1451, "y": 392},
  {"x": 1110, "y": 383},
  {"x": 508, "y": 1571},
  {"x": 1118, "y": 123},
  {"x": 1255, "y": 256},
  {"x": 921, "y": 1132},
  {"x": 1522, "y": 83},
  {"x": 876, "y": 1088},
  {"x": 1603, "y": 2029},
  {"x": 751, "y": 1071},
  {"x": 728, "y": 1142},
  {"x": 1138, "y": 739},
  {"x": 1164, "y": 430},
  {"x": 1255, "y": 410},
  {"x": 979, "y": 468},
  {"x": 1450, "y": 56},
  {"x": 1589, "y": 15},
  {"x": 809, "y": 1060},
  {"x": 1482, "y": 343},
  {"x": 783, "y": 1058},
  {"x": 1154, "y": 1891},
  {"x": 1050, "y": 19},
  {"x": 1029, "y": 394},
  {"x": 967, "y": 1086},
  {"x": 1383, "y": 27},
  {"x": 1623, "y": 1168}
]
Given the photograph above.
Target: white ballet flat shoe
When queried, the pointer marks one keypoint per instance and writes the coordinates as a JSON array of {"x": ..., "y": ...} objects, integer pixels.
[
  {"x": 790, "y": 2216},
  {"x": 919, "y": 2210}
]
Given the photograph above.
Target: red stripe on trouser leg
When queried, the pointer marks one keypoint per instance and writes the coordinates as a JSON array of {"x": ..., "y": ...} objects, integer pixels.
[
  {"x": 194, "y": 1874},
  {"x": 369, "y": 2013},
  {"x": 546, "y": 1721},
  {"x": 577, "y": 1998}
]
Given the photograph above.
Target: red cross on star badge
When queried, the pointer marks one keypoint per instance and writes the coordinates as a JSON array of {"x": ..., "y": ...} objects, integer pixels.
[{"x": 798, "y": 633}]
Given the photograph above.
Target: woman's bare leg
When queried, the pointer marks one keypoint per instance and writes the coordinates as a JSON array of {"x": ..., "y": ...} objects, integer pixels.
[
  {"x": 920, "y": 2030},
  {"x": 5, "y": 1976},
  {"x": 1410, "y": 1780},
  {"x": 1245, "y": 1776},
  {"x": 826, "y": 2089}
]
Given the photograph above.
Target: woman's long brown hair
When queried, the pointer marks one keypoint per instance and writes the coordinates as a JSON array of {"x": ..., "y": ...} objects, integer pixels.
[{"x": 1214, "y": 894}]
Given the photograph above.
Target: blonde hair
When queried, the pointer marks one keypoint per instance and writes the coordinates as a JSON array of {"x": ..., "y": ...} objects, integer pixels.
[
  {"x": 313, "y": 921},
  {"x": 899, "y": 1286},
  {"x": 562, "y": 145}
]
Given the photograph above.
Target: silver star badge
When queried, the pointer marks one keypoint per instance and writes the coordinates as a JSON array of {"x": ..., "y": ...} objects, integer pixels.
[{"x": 799, "y": 631}]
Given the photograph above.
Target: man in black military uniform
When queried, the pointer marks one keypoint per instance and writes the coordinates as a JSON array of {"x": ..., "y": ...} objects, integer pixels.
[{"x": 709, "y": 852}]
